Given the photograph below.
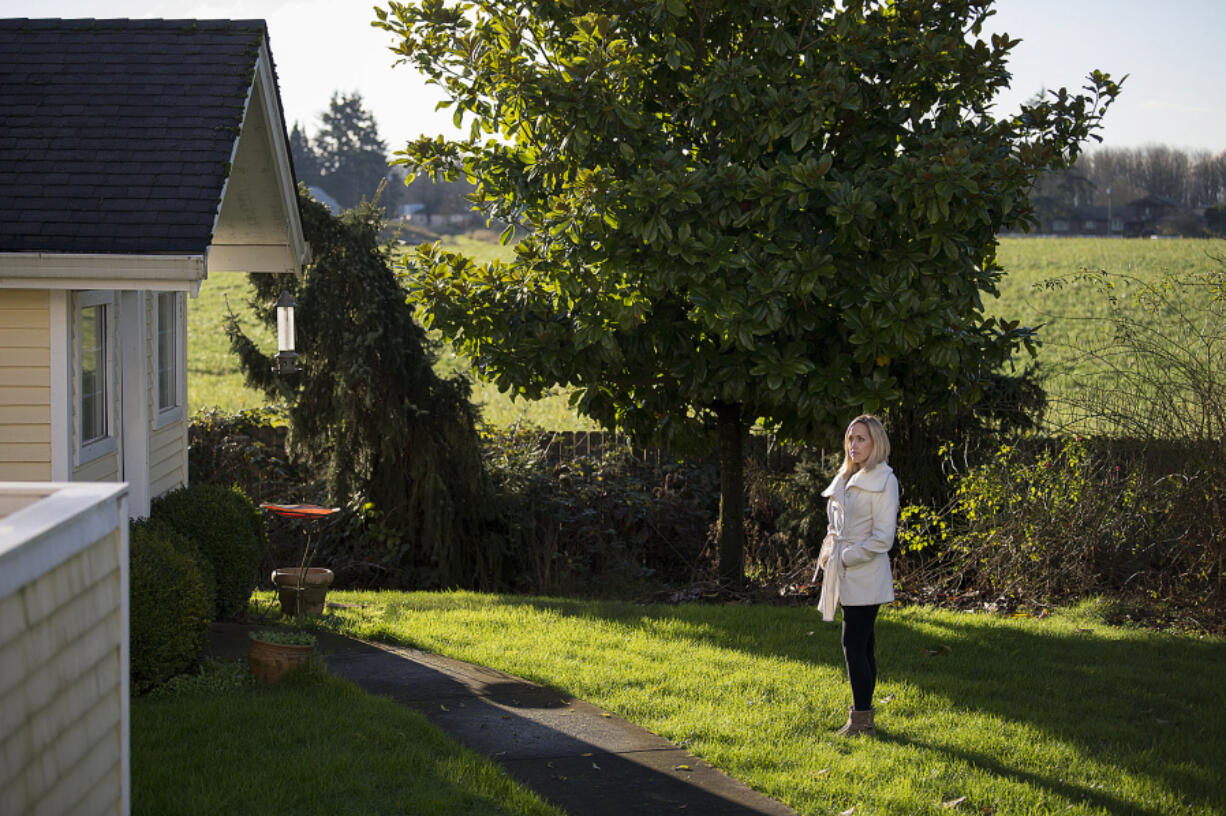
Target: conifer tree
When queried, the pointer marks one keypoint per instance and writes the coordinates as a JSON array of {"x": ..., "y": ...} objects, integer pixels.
[{"x": 396, "y": 444}]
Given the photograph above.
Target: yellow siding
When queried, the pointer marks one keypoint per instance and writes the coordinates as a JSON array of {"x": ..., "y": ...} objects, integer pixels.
[
  {"x": 103, "y": 469},
  {"x": 25, "y": 384},
  {"x": 167, "y": 457},
  {"x": 61, "y": 687}
]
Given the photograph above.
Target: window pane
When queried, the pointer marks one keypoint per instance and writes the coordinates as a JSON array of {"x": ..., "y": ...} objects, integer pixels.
[
  {"x": 168, "y": 356},
  {"x": 93, "y": 373}
]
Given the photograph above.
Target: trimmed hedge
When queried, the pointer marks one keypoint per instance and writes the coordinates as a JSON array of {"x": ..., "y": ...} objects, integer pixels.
[
  {"x": 226, "y": 528},
  {"x": 170, "y": 609}
]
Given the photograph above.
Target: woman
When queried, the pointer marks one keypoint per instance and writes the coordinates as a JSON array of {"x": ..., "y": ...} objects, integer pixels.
[{"x": 861, "y": 514}]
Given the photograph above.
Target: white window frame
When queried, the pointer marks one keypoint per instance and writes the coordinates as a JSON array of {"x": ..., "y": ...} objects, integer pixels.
[
  {"x": 107, "y": 443},
  {"x": 165, "y": 415}
]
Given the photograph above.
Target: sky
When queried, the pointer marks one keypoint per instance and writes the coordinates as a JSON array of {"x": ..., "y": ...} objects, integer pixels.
[{"x": 1175, "y": 94}]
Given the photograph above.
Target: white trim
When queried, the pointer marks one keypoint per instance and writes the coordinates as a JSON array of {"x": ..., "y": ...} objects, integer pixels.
[
  {"x": 165, "y": 416},
  {"x": 63, "y": 519},
  {"x": 125, "y": 651},
  {"x": 134, "y": 399},
  {"x": 279, "y": 258},
  {"x": 51, "y": 270},
  {"x": 87, "y": 451},
  {"x": 62, "y": 444},
  {"x": 259, "y": 258},
  {"x": 299, "y": 248}
]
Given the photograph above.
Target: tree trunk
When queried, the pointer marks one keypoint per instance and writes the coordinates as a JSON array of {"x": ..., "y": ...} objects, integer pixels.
[{"x": 731, "y": 496}]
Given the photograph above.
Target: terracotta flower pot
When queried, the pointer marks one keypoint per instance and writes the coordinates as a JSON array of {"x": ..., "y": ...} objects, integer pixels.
[
  {"x": 271, "y": 662},
  {"x": 301, "y": 595}
]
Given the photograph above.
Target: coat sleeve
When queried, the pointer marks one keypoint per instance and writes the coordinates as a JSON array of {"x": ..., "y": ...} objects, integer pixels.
[{"x": 885, "y": 519}]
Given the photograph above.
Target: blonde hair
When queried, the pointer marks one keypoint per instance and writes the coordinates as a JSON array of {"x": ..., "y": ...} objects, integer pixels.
[{"x": 881, "y": 444}]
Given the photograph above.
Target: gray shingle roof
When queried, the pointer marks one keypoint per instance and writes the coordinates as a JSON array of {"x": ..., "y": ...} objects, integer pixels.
[{"x": 116, "y": 135}]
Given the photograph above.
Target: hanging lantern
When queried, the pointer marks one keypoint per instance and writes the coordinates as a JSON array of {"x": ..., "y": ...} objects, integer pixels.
[{"x": 287, "y": 358}]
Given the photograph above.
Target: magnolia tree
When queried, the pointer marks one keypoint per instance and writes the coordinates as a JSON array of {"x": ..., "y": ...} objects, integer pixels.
[{"x": 734, "y": 213}]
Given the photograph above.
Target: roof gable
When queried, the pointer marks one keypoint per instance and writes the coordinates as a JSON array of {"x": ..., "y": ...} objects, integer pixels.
[{"x": 118, "y": 136}]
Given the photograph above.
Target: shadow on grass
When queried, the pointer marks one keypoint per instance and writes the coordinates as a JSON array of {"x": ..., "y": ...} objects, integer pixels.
[{"x": 1151, "y": 705}]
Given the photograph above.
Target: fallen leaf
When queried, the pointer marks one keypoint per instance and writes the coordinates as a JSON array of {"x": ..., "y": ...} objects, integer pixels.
[
  {"x": 605, "y": 714},
  {"x": 808, "y": 634},
  {"x": 887, "y": 698},
  {"x": 1083, "y": 629},
  {"x": 953, "y": 803},
  {"x": 682, "y": 768},
  {"x": 823, "y": 772},
  {"x": 849, "y": 811},
  {"x": 1042, "y": 614},
  {"x": 594, "y": 765},
  {"x": 588, "y": 753},
  {"x": 940, "y": 650},
  {"x": 445, "y": 708}
]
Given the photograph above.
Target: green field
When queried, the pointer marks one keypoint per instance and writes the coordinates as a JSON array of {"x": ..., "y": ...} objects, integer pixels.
[{"x": 1071, "y": 318}]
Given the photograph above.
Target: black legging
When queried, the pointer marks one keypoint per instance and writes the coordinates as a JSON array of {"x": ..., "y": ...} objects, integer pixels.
[{"x": 859, "y": 650}]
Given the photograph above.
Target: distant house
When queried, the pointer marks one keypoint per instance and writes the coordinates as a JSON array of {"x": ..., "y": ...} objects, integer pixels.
[
  {"x": 1085, "y": 220},
  {"x": 321, "y": 195},
  {"x": 1144, "y": 216},
  {"x": 137, "y": 158}
]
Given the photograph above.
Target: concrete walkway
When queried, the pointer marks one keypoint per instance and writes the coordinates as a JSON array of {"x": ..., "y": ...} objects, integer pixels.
[{"x": 576, "y": 756}]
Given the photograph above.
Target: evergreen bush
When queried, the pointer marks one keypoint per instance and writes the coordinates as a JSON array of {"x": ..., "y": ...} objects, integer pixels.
[
  {"x": 169, "y": 611},
  {"x": 395, "y": 444},
  {"x": 226, "y": 528}
]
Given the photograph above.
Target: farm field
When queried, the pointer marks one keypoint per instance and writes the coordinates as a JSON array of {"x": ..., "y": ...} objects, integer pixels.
[{"x": 1071, "y": 318}]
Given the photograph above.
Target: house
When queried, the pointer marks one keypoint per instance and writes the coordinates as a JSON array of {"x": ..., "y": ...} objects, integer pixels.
[
  {"x": 137, "y": 157},
  {"x": 1084, "y": 220},
  {"x": 1144, "y": 216}
]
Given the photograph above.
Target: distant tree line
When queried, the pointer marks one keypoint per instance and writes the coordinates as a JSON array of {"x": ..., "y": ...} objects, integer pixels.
[
  {"x": 347, "y": 159},
  {"x": 1106, "y": 177}
]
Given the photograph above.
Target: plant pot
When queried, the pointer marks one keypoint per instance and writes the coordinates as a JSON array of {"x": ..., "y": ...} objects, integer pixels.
[
  {"x": 271, "y": 662},
  {"x": 301, "y": 595}
]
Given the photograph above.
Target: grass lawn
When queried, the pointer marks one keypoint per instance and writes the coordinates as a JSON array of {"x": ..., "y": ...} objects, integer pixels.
[
  {"x": 311, "y": 745},
  {"x": 980, "y": 714}
]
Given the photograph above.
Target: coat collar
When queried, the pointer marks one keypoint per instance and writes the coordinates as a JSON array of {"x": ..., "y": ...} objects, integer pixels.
[{"x": 872, "y": 480}]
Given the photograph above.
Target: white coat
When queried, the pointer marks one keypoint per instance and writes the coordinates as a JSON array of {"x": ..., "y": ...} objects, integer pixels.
[{"x": 861, "y": 516}]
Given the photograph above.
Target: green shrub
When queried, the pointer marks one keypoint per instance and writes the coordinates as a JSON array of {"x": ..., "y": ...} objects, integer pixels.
[
  {"x": 169, "y": 611},
  {"x": 226, "y": 528},
  {"x": 1048, "y": 522},
  {"x": 606, "y": 524},
  {"x": 247, "y": 448},
  {"x": 213, "y": 677}
]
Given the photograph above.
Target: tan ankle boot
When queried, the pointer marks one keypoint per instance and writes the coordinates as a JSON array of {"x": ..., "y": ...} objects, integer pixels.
[{"x": 858, "y": 722}]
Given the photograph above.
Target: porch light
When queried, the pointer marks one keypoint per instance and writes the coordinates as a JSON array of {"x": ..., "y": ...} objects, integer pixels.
[{"x": 287, "y": 358}]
